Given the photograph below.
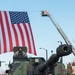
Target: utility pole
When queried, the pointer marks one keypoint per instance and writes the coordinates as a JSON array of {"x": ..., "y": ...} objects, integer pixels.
[{"x": 46, "y": 13}]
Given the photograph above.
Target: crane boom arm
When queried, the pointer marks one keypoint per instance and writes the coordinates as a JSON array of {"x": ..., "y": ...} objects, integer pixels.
[
  {"x": 61, "y": 32},
  {"x": 46, "y": 13}
]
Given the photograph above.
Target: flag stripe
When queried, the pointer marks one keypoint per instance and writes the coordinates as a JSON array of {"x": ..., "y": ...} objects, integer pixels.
[
  {"x": 28, "y": 39},
  {"x": 9, "y": 32},
  {"x": 2, "y": 45},
  {"x": 21, "y": 34},
  {"x": 6, "y": 33},
  {"x": 25, "y": 37},
  {"x": 11, "y": 29},
  {"x": 0, "y": 39},
  {"x": 3, "y": 32},
  {"x": 18, "y": 34},
  {"x": 32, "y": 40},
  {"x": 15, "y": 34}
]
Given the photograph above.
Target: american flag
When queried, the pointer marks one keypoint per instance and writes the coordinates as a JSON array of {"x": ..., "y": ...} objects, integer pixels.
[{"x": 15, "y": 30}]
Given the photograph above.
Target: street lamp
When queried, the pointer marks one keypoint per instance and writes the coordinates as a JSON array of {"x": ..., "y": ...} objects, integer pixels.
[
  {"x": 46, "y": 53},
  {"x": 60, "y": 42}
]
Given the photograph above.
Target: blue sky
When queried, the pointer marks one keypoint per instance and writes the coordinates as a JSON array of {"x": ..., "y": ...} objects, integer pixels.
[{"x": 45, "y": 34}]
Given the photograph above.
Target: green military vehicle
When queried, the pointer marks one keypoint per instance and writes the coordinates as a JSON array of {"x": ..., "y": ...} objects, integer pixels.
[{"x": 22, "y": 65}]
